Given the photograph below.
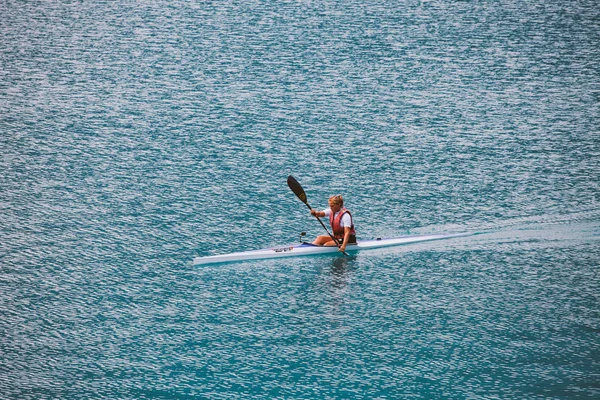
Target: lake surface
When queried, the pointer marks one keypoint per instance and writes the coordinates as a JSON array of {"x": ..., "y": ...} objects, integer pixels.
[{"x": 135, "y": 136}]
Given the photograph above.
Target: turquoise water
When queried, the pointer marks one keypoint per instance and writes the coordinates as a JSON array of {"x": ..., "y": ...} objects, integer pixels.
[{"x": 136, "y": 136}]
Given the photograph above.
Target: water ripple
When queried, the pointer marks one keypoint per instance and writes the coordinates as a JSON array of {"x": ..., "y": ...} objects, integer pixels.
[{"x": 135, "y": 137}]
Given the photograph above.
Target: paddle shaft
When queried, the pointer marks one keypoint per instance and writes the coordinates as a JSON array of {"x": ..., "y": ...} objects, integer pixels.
[{"x": 324, "y": 227}]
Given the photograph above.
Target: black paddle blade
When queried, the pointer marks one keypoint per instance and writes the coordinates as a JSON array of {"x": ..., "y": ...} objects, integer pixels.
[{"x": 297, "y": 189}]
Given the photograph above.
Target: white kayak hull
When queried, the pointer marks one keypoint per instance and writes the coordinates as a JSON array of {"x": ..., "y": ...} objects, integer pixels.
[{"x": 305, "y": 249}]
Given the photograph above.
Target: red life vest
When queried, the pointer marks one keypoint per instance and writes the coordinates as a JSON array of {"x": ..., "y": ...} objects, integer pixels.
[{"x": 338, "y": 230}]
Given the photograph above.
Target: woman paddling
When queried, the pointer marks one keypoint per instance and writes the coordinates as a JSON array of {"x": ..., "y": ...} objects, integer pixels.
[{"x": 341, "y": 223}]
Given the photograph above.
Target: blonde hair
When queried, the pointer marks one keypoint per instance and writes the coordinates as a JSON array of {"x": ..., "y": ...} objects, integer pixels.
[{"x": 337, "y": 199}]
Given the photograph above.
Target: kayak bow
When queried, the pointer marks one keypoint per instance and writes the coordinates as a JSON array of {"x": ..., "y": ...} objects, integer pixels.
[{"x": 308, "y": 249}]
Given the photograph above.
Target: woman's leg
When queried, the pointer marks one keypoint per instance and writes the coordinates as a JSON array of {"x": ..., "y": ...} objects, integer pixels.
[{"x": 324, "y": 241}]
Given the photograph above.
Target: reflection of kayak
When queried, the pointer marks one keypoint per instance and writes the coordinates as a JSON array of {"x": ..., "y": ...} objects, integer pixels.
[{"x": 307, "y": 249}]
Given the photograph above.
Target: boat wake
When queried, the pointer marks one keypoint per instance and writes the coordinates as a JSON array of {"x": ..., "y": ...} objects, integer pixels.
[{"x": 522, "y": 235}]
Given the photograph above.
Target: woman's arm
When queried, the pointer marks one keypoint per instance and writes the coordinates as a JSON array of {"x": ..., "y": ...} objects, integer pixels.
[
  {"x": 347, "y": 231},
  {"x": 317, "y": 213}
]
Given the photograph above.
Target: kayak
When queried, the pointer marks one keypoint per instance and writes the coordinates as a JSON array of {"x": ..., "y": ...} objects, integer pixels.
[{"x": 309, "y": 249}]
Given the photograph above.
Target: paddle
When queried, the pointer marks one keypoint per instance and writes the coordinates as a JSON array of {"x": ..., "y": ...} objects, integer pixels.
[{"x": 299, "y": 192}]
